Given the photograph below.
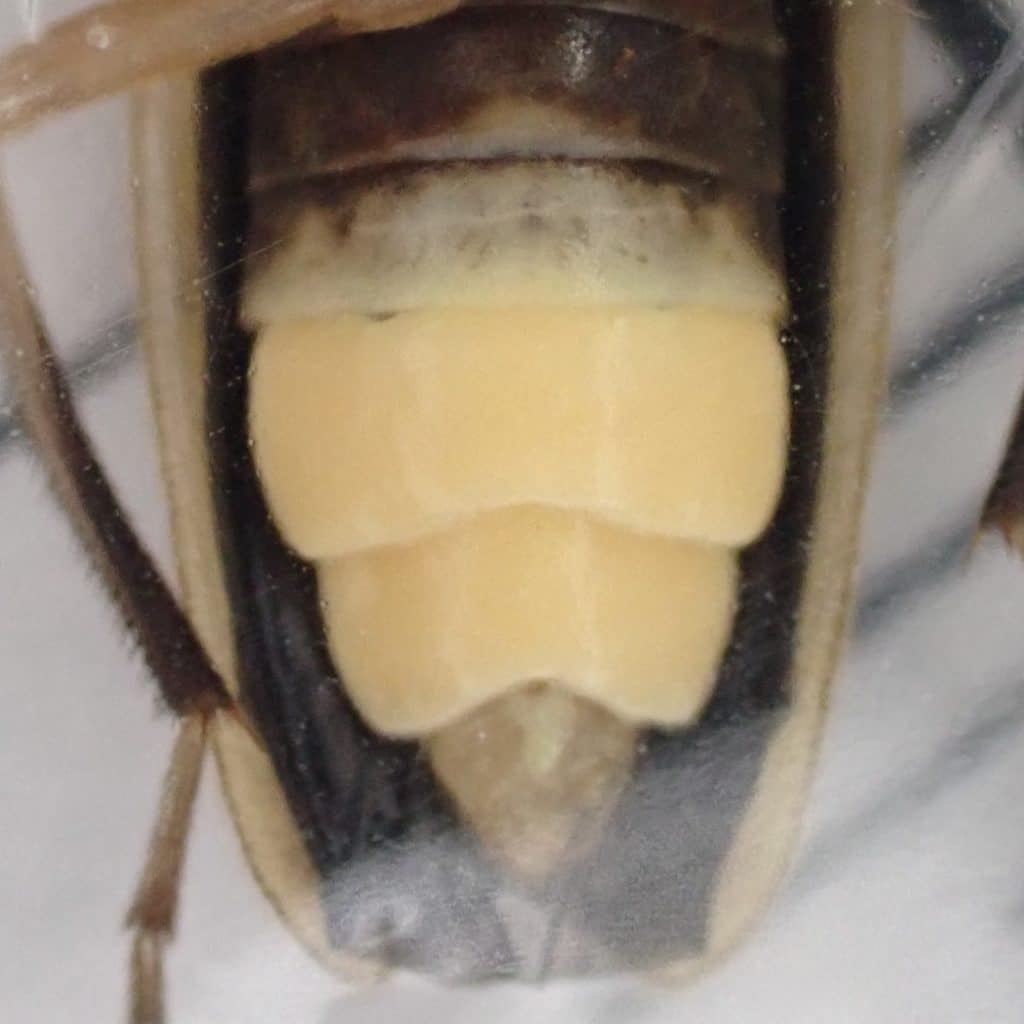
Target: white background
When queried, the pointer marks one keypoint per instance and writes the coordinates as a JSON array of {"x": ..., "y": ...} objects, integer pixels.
[{"x": 906, "y": 901}]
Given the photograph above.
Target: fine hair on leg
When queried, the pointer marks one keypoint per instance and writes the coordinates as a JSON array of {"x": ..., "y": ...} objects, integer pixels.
[
  {"x": 187, "y": 680},
  {"x": 154, "y": 907}
]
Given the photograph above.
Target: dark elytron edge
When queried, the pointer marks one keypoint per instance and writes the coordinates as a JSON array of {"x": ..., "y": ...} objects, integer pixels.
[
  {"x": 374, "y": 820},
  {"x": 649, "y": 892},
  {"x": 402, "y": 879}
]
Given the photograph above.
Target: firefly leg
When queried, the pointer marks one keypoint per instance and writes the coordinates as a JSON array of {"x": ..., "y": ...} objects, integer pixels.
[
  {"x": 154, "y": 906},
  {"x": 113, "y": 45},
  {"x": 1004, "y": 506},
  {"x": 187, "y": 680}
]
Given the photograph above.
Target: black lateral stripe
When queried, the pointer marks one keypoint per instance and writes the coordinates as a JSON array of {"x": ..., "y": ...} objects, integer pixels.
[
  {"x": 649, "y": 891},
  {"x": 373, "y": 818}
]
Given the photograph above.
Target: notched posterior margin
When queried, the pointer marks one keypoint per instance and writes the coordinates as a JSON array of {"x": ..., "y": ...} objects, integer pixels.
[{"x": 1004, "y": 506}]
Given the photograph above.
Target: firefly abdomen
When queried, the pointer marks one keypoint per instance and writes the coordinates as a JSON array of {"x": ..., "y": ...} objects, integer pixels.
[{"x": 518, "y": 341}]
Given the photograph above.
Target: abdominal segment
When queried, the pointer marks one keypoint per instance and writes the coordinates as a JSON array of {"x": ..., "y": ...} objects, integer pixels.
[
  {"x": 372, "y": 432},
  {"x": 493, "y": 497},
  {"x": 429, "y": 630}
]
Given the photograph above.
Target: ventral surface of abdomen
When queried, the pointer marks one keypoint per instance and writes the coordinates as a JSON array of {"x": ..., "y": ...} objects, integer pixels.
[{"x": 517, "y": 393}]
